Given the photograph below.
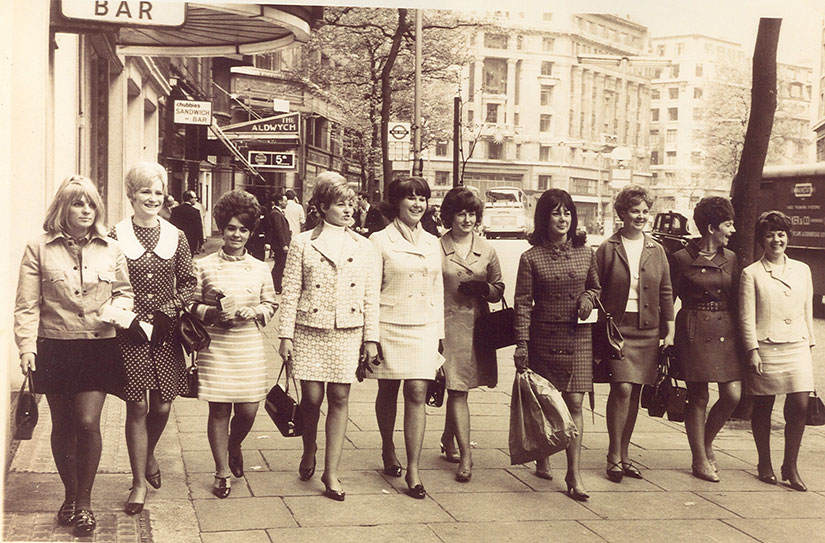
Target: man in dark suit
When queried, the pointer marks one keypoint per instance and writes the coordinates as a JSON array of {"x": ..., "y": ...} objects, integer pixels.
[
  {"x": 188, "y": 219},
  {"x": 368, "y": 218},
  {"x": 279, "y": 238}
]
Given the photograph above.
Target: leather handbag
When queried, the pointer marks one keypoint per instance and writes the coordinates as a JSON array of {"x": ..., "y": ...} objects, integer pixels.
[
  {"x": 655, "y": 397},
  {"x": 676, "y": 402},
  {"x": 25, "y": 415},
  {"x": 192, "y": 332},
  {"x": 816, "y": 411},
  {"x": 437, "y": 388},
  {"x": 191, "y": 381},
  {"x": 496, "y": 330},
  {"x": 608, "y": 342},
  {"x": 283, "y": 409}
]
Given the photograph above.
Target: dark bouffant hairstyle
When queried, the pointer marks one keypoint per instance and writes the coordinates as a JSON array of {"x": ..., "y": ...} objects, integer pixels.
[
  {"x": 631, "y": 195},
  {"x": 237, "y": 203},
  {"x": 712, "y": 211},
  {"x": 770, "y": 221},
  {"x": 550, "y": 200},
  {"x": 401, "y": 188},
  {"x": 457, "y": 200}
]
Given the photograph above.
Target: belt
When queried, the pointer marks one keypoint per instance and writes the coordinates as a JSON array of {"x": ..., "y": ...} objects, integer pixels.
[{"x": 709, "y": 306}]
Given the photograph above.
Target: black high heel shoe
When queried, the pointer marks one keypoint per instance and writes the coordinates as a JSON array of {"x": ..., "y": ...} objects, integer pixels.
[
  {"x": 574, "y": 492},
  {"x": 337, "y": 495},
  {"x": 393, "y": 470},
  {"x": 614, "y": 471},
  {"x": 305, "y": 474},
  {"x": 66, "y": 513},
  {"x": 451, "y": 456},
  {"x": 133, "y": 508},
  {"x": 84, "y": 522},
  {"x": 221, "y": 487},
  {"x": 153, "y": 479},
  {"x": 794, "y": 482},
  {"x": 416, "y": 491},
  {"x": 631, "y": 471},
  {"x": 766, "y": 476}
]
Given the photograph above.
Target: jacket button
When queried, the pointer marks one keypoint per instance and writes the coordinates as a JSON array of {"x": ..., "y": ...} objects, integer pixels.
[
  {"x": 457, "y": 273},
  {"x": 80, "y": 314},
  {"x": 96, "y": 334},
  {"x": 647, "y": 305},
  {"x": 788, "y": 293},
  {"x": 349, "y": 259},
  {"x": 722, "y": 339},
  {"x": 74, "y": 267},
  {"x": 643, "y": 269},
  {"x": 571, "y": 296},
  {"x": 315, "y": 310},
  {"x": 703, "y": 270},
  {"x": 352, "y": 309},
  {"x": 557, "y": 296},
  {"x": 77, "y": 292},
  {"x": 571, "y": 274},
  {"x": 150, "y": 275},
  {"x": 645, "y": 287},
  {"x": 150, "y": 295},
  {"x": 317, "y": 286},
  {"x": 645, "y": 323},
  {"x": 707, "y": 318},
  {"x": 718, "y": 291},
  {"x": 788, "y": 321},
  {"x": 352, "y": 284}
]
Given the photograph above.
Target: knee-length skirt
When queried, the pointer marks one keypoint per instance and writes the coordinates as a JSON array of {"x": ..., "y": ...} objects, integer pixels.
[
  {"x": 641, "y": 353},
  {"x": 328, "y": 355},
  {"x": 233, "y": 367},
  {"x": 410, "y": 351},
  {"x": 562, "y": 353},
  {"x": 786, "y": 368},
  {"x": 707, "y": 346}
]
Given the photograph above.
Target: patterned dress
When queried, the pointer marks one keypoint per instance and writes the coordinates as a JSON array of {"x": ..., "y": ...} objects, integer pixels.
[
  {"x": 233, "y": 367},
  {"x": 164, "y": 284}
]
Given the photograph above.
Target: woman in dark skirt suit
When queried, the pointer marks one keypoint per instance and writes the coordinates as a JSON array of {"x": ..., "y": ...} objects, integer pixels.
[
  {"x": 635, "y": 277},
  {"x": 67, "y": 276},
  {"x": 160, "y": 269},
  {"x": 556, "y": 285},
  {"x": 705, "y": 276}
]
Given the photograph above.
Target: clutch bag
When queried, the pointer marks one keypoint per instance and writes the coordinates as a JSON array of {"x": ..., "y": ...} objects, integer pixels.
[{"x": 496, "y": 329}]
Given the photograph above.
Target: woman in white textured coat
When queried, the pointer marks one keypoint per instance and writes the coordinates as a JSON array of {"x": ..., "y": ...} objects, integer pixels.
[
  {"x": 329, "y": 309},
  {"x": 412, "y": 323}
]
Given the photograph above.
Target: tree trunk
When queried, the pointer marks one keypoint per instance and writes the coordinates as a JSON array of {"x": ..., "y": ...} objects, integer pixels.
[
  {"x": 745, "y": 187},
  {"x": 386, "y": 95}
]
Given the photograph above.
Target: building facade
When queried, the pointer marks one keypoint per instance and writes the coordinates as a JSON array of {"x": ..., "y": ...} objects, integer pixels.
[{"x": 819, "y": 114}]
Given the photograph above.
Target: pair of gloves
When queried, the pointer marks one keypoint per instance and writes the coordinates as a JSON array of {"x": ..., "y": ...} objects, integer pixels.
[
  {"x": 474, "y": 288},
  {"x": 161, "y": 327}
]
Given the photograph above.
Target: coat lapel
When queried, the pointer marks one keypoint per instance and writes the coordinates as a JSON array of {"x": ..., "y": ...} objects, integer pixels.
[{"x": 400, "y": 244}]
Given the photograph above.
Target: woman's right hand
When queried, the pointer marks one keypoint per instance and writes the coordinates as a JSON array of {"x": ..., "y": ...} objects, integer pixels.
[
  {"x": 755, "y": 362},
  {"x": 27, "y": 362},
  {"x": 520, "y": 358},
  {"x": 285, "y": 350}
]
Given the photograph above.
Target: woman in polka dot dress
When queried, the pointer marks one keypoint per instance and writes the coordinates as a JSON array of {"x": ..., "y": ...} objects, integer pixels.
[
  {"x": 329, "y": 308},
  {"x": 160, "y": 269}
]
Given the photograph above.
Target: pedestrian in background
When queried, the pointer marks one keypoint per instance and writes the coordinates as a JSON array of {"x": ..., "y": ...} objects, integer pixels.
[
  {"x": 557, "y": 284},
  {"x": 188, "y": 219},
  {"x": 63, "y": 340},
  {"x": 234, "y": 296},
  {"x": 294, "y": 212},
  {"x": 330, "y": 308},
  {"x": 280, "y": 237},
  {"x": 636, "y": 289},
  {"x": 367, "y": 217},
  {"x": 412, "y": 323},
  {"x": 160, "y": 270},
  {"x": 258, "y": 238},
  {"x": 472, "y": 279},
  {"x": 705, "y": 275},
  {"x": 776, "y": 317},
  {"x": 169, "y": 203}
]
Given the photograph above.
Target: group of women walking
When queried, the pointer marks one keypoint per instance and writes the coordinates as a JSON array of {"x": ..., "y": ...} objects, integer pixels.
[{"x": 98, "y": 314}]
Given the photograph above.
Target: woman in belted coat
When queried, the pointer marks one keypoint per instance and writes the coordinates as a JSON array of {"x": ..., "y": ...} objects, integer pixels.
[
  {"x": 705, "y": 275},
  {"x": 776, "y": 316},
  {"x": 472, "y": 278},
  {"x": 329, "y": 308},
  {"x": 636, "y": 290},
  {"x": 556, "y": 285},
  {"x": 411, "y": 322}
]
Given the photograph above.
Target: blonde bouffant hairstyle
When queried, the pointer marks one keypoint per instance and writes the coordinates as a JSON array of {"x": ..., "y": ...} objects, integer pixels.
[
  {"x": 73, "y": 188},
  {"x": 329, "y": 188},
  {"x": 144, "y": 174}
]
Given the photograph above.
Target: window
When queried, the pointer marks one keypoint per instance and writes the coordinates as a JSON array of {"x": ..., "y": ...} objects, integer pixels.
[
  {"x": 544, "y": 153},
  {"x": 544, "y": 123},
  {"x": 495, "y": 41},
  {"x": 470, "y": 117},
  {"x": 492, "y": 113},
  {"x": 673, "y": 114},
  {"x": 699, "y": 70},
  {"x": 518, "y": 151},
  {"x": 519, "y": 42},
  {"x": 674, "y": 71},
  {"x": 546, "y": 95},
  {"x": 654, "y": 134},
  {"x": 697, "y": 93},
  {"x": 544, "y": 182},
  {"x": 495, "y": 151},
  {"x": 697, "y": 114},
  {"x": 546, "y": 67},
  {"x": 696, "y": 157},
  {"x": 660, "y": 50},
  {"x": 670, "y": 136},
  {"x": 670, "y": 158},
  {"x": 547, "y": 44},
  {"x": 495, "y": 75},
  {"x": 471, "y": 84},
  {"x": 654, "y": 158},
  {"x": 680, "y": 48},
  {"x": 441, "y": 148},
  {"x": 442, "y": 178},
  {"x": 515, "y": 119},
  {"x": 655, "y": 94},
  {"x": 546, "y": 16},
  {"x": 654, "y": 115},
  {"x": 580, "y": 185},
  {"x": 673, "y": 93}
]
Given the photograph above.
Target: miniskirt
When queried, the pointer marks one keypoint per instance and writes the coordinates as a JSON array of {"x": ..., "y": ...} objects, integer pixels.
[
  {"x": 410, "y": 351},
  {"x": 786, "y": 368},
  {"x": 641, "y": 353},
  {"x": 69, "y": 366}
]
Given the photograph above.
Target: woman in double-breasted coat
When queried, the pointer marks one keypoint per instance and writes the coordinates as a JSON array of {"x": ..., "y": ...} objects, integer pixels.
[
  {"x": 472, "y": 278},
  {"x": 556, "y": 285},
  {"x": 635, "y": 278},
  {"x": 411, "y": 322},
  {"x": 705, "y": 275},
  {"x": 329, "y": 308}
]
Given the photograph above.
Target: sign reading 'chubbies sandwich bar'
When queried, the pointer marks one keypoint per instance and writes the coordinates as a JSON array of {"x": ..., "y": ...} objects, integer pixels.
[{"x": 287, "y": 126}]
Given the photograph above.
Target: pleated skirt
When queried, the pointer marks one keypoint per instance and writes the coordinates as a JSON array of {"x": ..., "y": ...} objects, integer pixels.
[
  {"x": 786, "y": 368},
  {"x": 641, "y": 353}
]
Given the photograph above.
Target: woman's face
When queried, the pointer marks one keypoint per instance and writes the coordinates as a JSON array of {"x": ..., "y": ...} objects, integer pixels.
[
  {"x": 235, "y": 236},
  {"x": 636, "y": 217},
  {"x": 464, "y": 221},
  {"x": 775, "y": 243},
  {"x": 559, "y": 224},
  {"x": 80, "y": 216},
  {"x": 148, "y": 200},
  {"x": 340, "y": 213},
  {"x": 411, "y": 209},
  {"x": 721, "y": 236}
]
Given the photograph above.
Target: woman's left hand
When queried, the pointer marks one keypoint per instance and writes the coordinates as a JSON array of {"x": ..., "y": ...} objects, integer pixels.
[
  {"x": 668, "y": 340},
  {"x": 585, "y": 307},
  {"x": 247, "y": 313},
  {"x": 371, "y": 349}
]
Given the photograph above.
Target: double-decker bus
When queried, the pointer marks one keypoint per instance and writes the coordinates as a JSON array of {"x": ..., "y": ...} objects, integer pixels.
[{"x": 506, "y": 213}]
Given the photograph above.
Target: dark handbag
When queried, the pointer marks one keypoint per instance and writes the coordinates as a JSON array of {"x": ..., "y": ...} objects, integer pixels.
[
  {"x": 608, "y": 342},
  {"x": 677, "y": 396},
  {"x": 191, "y": 381},
  {"x": 25, "y": 415},
  {"x": 655, "y": 397},
  {"x": 436, "y": 389},
  {"x": 816, "y": 411},
  {"x": 283, "y": 409},
  {"x": 496, "y": 330},
  {"x": 192, "y": 332}
]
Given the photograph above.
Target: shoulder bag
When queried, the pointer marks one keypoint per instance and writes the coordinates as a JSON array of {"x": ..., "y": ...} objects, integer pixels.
[
  {"x": 655, "y": 397},
  {"x": 496, "y": 329},
  {"x": 25, "y": 415},
  {"x": 192, "y": 332},
  {"x": 816, "y": 411},
  {"x": 608, "y": 344},
  {"x": 283, "y": 409}
]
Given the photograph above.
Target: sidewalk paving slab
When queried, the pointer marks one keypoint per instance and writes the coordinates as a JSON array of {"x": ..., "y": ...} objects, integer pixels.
[
  {"x": 242, "y": 514},
  {"x": 418, "y": 533},
  {"x": 360, "y": 510},
  {"x": 653, "y": 531},
  {"x": 781, "y": 530}
]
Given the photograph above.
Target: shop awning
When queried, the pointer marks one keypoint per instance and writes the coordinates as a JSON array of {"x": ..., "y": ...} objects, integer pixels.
[{"x": 208, "y": 30}]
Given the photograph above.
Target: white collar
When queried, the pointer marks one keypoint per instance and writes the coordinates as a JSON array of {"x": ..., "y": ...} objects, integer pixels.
[{"x": 133, "y": 249}]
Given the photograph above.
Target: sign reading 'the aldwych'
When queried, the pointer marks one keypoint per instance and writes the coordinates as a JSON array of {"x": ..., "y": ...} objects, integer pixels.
[
  {"x": 129, "y": 12},
  {"x": 277, "y": 127}
]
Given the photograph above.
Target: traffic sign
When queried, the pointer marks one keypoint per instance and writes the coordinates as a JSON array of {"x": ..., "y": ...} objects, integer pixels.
[
  {"x": 399, "y": 131},
  {"x": 271, "y": 159}
]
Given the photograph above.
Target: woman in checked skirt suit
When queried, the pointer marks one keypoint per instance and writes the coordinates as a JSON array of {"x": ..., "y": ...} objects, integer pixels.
[
  {"x": 236, "y": 298},
  {"x": 556, "y": 285},
  {"x": 160, "y": 269},
  {"x": 330, "y": 307}
]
